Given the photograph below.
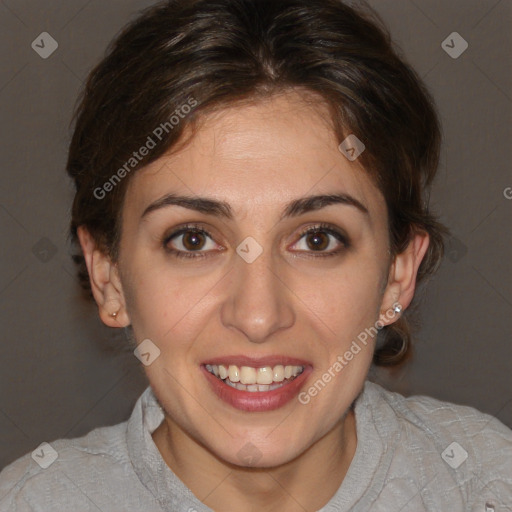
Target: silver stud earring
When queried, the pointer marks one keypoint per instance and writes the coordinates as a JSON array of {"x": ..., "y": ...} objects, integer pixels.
[
  {"x": 114, "y": 315},
  {"x": 397, "y": 308}
]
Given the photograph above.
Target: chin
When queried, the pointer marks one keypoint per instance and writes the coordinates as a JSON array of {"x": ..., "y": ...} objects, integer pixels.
[{"x": 258, "y": 454}]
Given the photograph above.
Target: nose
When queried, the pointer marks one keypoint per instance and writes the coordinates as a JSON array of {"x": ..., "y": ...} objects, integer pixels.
[{"x": 258, "y": 303}]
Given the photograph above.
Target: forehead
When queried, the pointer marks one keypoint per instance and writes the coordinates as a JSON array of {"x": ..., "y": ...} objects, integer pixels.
[{"x": 264, "y": 153}]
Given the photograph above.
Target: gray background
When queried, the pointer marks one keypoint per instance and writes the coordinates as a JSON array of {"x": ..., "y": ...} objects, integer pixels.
[{"x": 62, "y": 373}]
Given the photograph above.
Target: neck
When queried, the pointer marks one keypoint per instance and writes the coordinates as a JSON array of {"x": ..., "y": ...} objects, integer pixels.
[{"x": 306, "y": 483}]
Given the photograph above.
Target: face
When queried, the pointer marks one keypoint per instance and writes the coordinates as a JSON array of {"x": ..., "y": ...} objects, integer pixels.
[{"x": 248, "y": 286}]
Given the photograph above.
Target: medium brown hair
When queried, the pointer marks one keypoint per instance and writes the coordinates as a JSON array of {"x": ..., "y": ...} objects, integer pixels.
[{"x": 212, "y": 53}]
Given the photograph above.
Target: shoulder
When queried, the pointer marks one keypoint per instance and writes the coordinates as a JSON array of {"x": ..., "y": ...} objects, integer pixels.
[
  {"x": 93, "y": 472},
  {"x": 474, "y": 449},
  {"x": 447, "y": 418},
  {"x": 63, "y": 464}
]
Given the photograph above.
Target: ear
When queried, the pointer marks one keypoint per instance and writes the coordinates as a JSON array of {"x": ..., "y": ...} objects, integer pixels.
[
  {"x": 402, "y": 278},
  {"x": 105, "y": 282}
]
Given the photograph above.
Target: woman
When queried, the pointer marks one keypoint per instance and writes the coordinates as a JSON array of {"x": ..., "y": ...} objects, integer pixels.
[{"x": 251, "y": 182}]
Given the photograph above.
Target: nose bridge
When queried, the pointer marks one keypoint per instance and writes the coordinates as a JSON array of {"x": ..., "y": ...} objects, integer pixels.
[{"x": 257, "y": 303}]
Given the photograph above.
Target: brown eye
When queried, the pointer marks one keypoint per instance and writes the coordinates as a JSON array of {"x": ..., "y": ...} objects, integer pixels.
[
  {"x": 318, "y": 241},
  {"x": 189, "y": 242},
  {"x": 323, "y": 240},
  {"x": 193, "y": 240}
]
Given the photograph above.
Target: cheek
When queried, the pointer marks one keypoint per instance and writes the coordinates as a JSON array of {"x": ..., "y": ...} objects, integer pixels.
[
  {"x": 163, "y": 301},
  {"x": 345, "y": 299}
]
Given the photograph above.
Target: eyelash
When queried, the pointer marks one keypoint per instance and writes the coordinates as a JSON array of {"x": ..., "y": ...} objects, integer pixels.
[{"x": 197, "y": 229}]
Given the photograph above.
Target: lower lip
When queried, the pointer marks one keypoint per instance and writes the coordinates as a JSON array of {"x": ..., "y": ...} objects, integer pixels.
[{"x": 257, "y": 401}]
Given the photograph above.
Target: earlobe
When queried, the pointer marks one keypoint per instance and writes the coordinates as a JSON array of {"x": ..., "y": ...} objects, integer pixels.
[
  {"x": 402, "y": 278},
  {"x": 105, "y": 282}
]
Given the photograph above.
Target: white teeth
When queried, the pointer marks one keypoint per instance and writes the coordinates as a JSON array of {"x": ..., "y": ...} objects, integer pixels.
[
  {"x": 253, "y": 387},
  {"x": 247, "y": 378},
  {"x": 233, "y": 373},
  {"x": 264, "y": 375},
  {"x": 223, "y": 373},
  {"x": 278, "y": 373},
  {"x": 248, "y": 375}
]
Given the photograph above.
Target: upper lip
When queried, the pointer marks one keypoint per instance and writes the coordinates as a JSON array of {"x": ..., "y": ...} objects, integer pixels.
[{"x": 256, "y": 362}]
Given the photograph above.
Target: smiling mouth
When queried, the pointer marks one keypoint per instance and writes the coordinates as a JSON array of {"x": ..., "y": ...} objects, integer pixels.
[{"x": 247, "y": 378}]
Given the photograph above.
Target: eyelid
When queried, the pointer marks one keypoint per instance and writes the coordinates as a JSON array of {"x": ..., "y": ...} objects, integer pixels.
[
  {"x": 329, "y": 229},
  {"x": 181, "y": 230},
  {"x": 326, "y": 228}
]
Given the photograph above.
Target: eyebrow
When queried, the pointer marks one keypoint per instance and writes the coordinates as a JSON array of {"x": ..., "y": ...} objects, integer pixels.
[{"x": 222, "y": 209}]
